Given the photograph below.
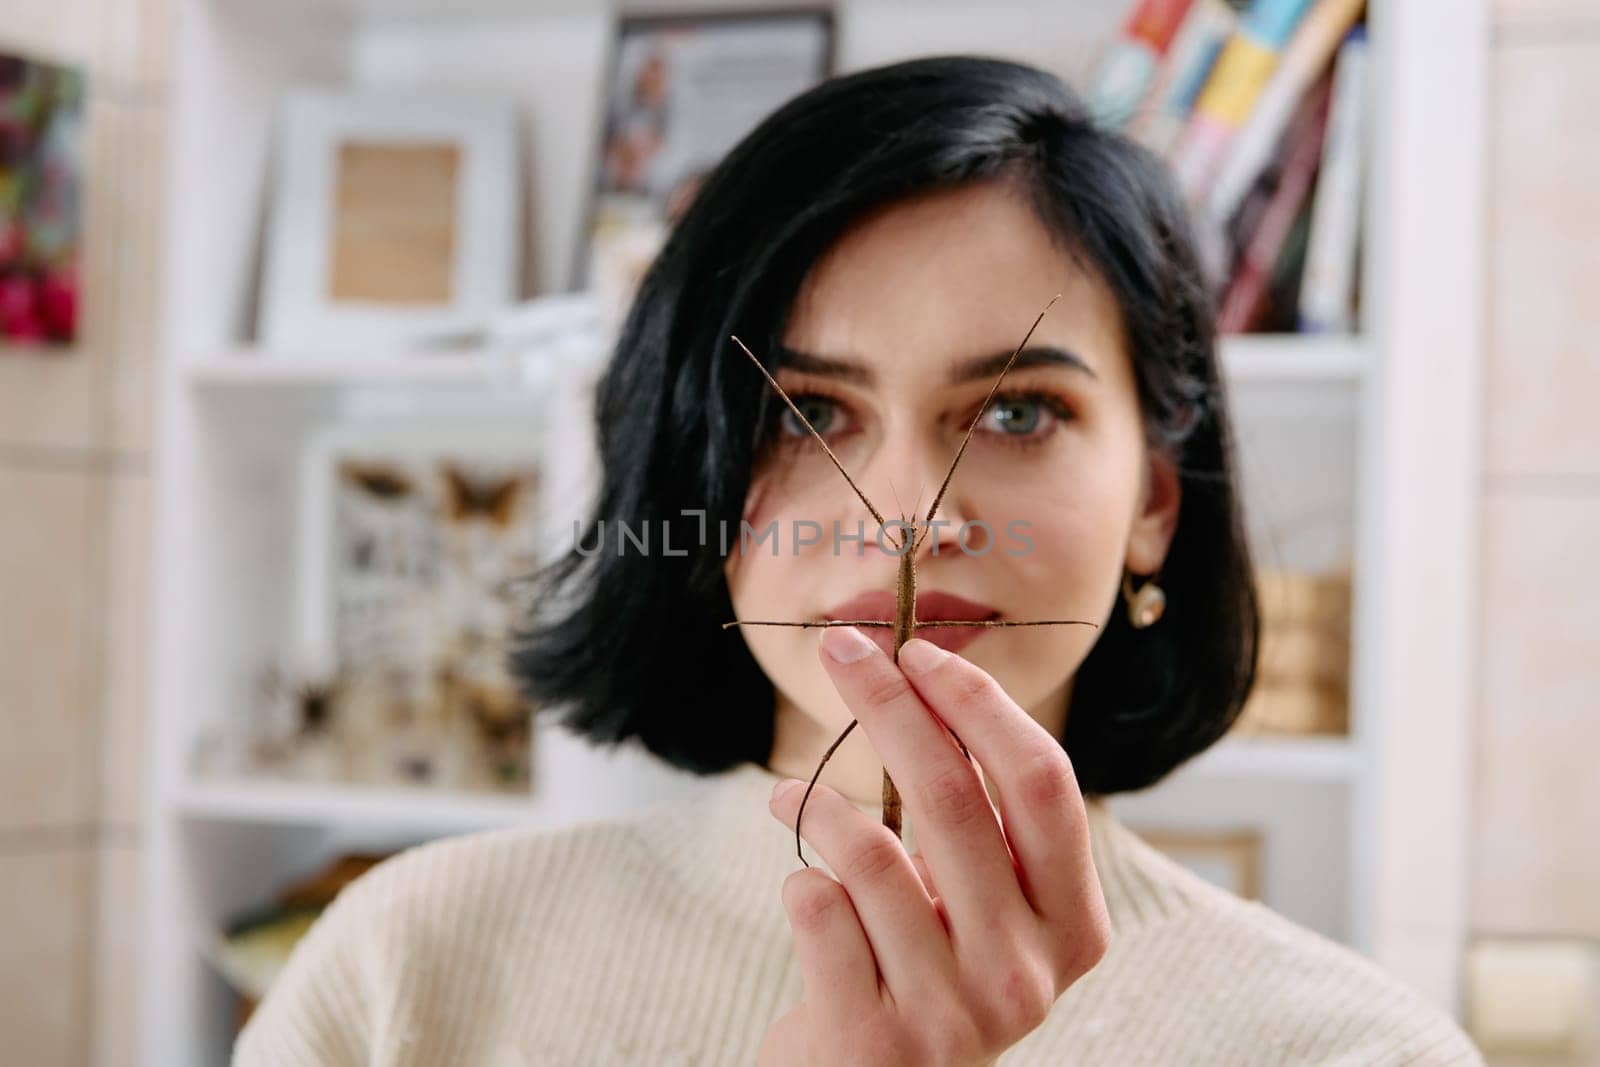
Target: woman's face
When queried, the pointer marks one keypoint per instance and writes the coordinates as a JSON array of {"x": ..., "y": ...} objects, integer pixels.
[{"x": 894, "y": 341}]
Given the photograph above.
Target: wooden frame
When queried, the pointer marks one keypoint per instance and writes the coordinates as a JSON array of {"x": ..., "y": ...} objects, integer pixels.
[
  {"x": 1238, "y": 852},
  {"x": 436, "y": 261}
]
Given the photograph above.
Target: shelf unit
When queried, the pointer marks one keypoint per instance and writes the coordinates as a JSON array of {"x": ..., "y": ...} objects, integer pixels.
[
  {"x": 1252, "y": 359},
  {"x": 1355, "y": 450},
  {"x": 291, "y": 803}
]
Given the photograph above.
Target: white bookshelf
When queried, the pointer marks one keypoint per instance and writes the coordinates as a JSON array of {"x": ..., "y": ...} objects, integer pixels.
[
  {"x": 1357, "y": 449},
  {"x": 250, "y": 368},
  {"x": 288, "y": 803},
  {"x": 1252, "y": 359}
]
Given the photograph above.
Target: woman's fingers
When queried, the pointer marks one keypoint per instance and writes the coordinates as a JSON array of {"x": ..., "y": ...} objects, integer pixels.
[
  {"x": 955, "y": 824},
  {"x": 906, "y": 935},
  {"x": 926, "y": 875},
  {"x": 836, "y": 963},
  {"x": 1040, "y": 805},
  {"x": 932, "y": 890}
]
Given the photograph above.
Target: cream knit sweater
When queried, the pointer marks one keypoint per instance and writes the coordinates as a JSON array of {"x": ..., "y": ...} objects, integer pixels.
[{"x": 660, "y": 939}]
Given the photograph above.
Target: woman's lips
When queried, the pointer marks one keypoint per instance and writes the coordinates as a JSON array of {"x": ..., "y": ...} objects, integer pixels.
[{"x": 932, "y": 606}]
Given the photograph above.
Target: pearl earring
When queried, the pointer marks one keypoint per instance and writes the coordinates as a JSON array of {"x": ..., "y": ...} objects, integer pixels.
[{"x": 1146, "y": 605}]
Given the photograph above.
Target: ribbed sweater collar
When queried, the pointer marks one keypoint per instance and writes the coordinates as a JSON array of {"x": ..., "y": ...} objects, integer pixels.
[{"x": 725, "y": 846}]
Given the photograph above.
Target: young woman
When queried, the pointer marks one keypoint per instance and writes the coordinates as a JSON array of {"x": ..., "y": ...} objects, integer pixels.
[{"x": 882, "y": 244}]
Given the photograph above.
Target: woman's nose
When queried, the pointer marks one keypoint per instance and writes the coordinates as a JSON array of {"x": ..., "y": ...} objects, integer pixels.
[{"x": 903, "y": 478}]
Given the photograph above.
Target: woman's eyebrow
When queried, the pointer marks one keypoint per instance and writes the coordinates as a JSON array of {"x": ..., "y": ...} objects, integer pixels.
[
  {"x": 980, "y": 367},
  {"x": 845, "y": 370},
  {"x": 988, "y": 367}
]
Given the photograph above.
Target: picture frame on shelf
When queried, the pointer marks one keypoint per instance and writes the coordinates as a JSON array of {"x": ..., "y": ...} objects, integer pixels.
[
  {"x": 1230, "y": 859},
  {"x": 680, "y": 91},
  {"x": 413, "y": 539},
  {"x": 395, "y": 222}
]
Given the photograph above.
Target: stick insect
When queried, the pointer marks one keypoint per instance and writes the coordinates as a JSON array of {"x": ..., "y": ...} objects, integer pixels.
[{"x": 905, "y": 622}]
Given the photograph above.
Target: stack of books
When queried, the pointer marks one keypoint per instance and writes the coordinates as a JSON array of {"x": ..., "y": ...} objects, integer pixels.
[
  {"x": 256, "y": 947},
  {"x": 1259, "y": 106}
]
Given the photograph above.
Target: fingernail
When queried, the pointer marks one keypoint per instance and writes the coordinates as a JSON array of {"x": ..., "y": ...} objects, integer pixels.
[
  {"x": 846, "y": 644},
  {"x": 919, "y": 657},
  {"x": 783, "y": 787}
]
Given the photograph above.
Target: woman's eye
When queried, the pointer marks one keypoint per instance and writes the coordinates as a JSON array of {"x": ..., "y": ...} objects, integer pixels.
[
  {"x": 820, "y": 411},
  {"x": 1023, "y": 415},
  {"x": 1016, "y": 416}
]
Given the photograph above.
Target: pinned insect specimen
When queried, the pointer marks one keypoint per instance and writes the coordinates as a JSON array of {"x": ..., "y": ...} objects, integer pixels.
[
  {"x": 910, "y": 538},
  {"x": 493, "y": 498},
  {"x": 376, "y": 479}
]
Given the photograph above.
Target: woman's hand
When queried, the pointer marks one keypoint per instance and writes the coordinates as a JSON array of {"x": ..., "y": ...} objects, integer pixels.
[{"x": 952, "y": 956}]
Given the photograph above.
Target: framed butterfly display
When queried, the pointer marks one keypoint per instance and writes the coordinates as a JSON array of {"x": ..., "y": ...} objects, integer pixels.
[{"x": 414, "y": 538}]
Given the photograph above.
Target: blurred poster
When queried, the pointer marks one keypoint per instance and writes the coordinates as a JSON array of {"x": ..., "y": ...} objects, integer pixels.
[
  {"x": 41, "y": 175},
  {"x": 682, "y": 91}
]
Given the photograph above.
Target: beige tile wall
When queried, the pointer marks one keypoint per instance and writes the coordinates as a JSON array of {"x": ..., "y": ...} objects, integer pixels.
[
  {"x": 75, "y": 434},
  {"x": 1535, "y": 867},
  {"x": 1562, "y": 15}
]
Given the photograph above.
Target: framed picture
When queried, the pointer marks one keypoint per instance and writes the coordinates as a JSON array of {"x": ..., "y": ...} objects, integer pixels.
[
  {"x": 41, "y": 183},
  {"x": 1227, "y": 858},
  {"x": 681, "y": 91},
  {"x": 395, "y": 222},
  {"x": 413, "y": 540}
]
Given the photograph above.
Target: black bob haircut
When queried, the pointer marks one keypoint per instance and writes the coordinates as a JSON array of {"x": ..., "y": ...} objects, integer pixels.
[{"x": 629, "y": 644}]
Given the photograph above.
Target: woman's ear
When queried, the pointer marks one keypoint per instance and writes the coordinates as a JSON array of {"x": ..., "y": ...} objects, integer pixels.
[{"x": 1156, "y": 520}]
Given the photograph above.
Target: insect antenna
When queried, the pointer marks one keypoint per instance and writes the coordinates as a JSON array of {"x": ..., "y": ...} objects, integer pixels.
[{"x": 939, "y": 496}]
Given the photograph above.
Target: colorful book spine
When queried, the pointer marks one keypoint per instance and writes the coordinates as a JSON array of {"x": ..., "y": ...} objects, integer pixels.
[
  {"x": 1306, "y": 58},
  {"x": 1159, "y": 120},
  {"x": 1254, "y": 271},
  {"x": 1326, "y": 285},
  {"x": 1130, "y": 63},
  {"x": 1236, "y": 82}
]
